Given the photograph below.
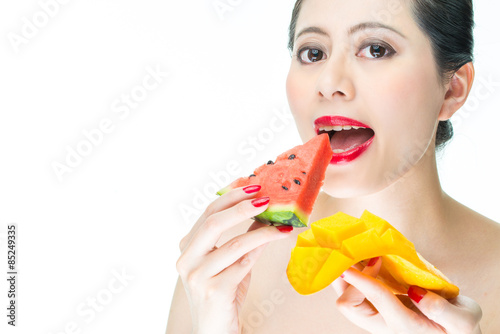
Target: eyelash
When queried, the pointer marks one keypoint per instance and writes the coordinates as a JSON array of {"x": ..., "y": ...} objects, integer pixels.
[{"x": 389, "y": 51}]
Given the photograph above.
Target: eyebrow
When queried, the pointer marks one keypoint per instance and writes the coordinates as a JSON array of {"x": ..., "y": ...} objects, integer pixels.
[
  {"x": 352, "y": 30},
  {"x": 373, "y": 25}
]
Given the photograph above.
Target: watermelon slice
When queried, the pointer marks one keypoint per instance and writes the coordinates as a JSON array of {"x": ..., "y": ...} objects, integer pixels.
[{"x": 292, "y": 182}]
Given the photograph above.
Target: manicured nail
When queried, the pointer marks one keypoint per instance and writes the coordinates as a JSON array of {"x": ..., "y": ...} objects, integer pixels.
[
  {"x": 285, "y": 228},
  {"x": 372, "y": 261},
  {"x": 258, "y": 202},
  {"x": 416, "y": 293},
  {"x": 342, "y": 276},
  {"x": 252, "y": 189}
]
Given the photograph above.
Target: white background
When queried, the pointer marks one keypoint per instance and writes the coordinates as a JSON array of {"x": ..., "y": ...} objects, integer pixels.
[{"x": 120, "y": 208}]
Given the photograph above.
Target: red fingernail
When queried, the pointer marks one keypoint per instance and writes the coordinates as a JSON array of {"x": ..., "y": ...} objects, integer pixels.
[
  {"x": 372, "y": 261},
  {"x": 252, "y": 189},
  {"x": 258, "y": 202},
  {"x": 285, "y": 228},
  {"x": 416, "y": 293},
  {"x": 342, "y": 276}
]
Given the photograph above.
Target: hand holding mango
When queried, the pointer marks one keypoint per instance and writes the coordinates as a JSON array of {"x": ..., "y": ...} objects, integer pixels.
[{"x": 335, "y": 243}]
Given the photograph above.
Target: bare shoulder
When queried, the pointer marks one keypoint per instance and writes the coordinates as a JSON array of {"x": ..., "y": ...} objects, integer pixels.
[
  {"x": 479, "y": 231},
  {"x": 476, "y": 239},
  {"x": 477, "y": 247}
]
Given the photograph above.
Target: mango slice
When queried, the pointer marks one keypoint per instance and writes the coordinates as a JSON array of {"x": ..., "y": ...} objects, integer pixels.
[{"x": 335, "y": 243}]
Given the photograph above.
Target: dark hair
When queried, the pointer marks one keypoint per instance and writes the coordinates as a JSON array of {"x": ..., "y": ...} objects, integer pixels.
[{"x": 449, "y": 26}]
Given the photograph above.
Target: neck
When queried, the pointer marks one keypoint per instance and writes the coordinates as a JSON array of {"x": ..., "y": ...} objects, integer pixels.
[{"x": 415, "y": 204}]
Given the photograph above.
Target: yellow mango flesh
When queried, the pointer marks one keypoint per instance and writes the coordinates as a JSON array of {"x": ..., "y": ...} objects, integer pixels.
[{"x": 335, "y": 243}]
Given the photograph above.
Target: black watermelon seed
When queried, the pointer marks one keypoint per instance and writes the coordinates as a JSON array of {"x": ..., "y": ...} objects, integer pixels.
[
  {"x": 296, "y": 181},
  {"x": 284, "y": 187},
  {"x": 291, "y": 157},
  {"x": 304, "y": 173},
  {"x": 270, "y": 162},
  {"x": 251, "y": 175}
]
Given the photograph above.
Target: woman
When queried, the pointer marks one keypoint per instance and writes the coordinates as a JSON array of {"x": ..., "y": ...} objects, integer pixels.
[{"x": 401, "y": 68}]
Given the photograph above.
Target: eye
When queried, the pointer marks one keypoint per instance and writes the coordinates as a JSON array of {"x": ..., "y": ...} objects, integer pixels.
[
  {"x": 309, "y": 55},
  {"x": 376, "y": 51}
]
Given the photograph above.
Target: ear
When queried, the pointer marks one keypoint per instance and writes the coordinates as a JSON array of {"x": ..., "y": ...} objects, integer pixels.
[{"x": 458, "y": 90}]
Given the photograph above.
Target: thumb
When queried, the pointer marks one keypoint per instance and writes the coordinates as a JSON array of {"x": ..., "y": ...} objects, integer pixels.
[{"x": 460, "y": 315}]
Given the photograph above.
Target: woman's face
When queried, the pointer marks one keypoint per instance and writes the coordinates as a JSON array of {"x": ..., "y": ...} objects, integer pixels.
[{"x": 369, "y": 62}]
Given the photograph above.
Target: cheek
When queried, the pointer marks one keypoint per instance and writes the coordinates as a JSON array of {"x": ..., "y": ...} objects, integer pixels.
[
  {"x": 405, "y": 117},
  {"x": 408, "y": 109},
  {"x": 300, "y": 101},
  {"x": 292, "y": 88},
  {"x": 296, "y": 86}
]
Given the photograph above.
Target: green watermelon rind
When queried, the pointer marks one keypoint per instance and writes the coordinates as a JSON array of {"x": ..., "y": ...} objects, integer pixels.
[
  {"x": 277, "y": 214},
  {"x": 224, "y": 190},
  {"x": 278, "y": 218},
  {"x": 290, "y": 210}
]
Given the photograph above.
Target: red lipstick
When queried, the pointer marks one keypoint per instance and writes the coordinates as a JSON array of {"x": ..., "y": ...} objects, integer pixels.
[
  {"x": 352, "y": 144},
  {"x": 336, "y": 121}
]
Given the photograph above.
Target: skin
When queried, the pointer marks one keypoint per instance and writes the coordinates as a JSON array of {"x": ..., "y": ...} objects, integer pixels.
[{"x": 401, "y": 97}]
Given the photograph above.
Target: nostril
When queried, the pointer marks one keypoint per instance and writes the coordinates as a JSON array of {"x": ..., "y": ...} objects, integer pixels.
[
  {"x": 335, "y": 83},
  {"x": 329, "y": 95}
]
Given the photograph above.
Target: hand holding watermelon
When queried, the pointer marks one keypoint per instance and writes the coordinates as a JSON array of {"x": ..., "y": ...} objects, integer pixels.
[{"x": 216, "y": 279}]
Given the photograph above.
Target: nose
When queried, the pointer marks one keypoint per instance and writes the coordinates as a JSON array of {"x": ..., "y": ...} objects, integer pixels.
[{"x": 335, "y": 80}]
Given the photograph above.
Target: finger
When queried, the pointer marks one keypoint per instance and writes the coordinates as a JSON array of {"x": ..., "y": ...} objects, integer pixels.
[
  {"x": 236, "y": 272},
  {"x": 340, "y": 285},
  {"x": 237, "y": 247},
  {"x": 461, "y": 316},
  {"x": 391, "y": 309},
  {"x": 353, "y": 304},
  {"x": 211, "y": 230},
  {"x": 223, "y": 202},
  {"x": 354, "y": 298}
]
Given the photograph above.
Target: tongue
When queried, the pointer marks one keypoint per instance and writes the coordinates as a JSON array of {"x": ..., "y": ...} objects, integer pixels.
[{"x": 349, "y": 139}]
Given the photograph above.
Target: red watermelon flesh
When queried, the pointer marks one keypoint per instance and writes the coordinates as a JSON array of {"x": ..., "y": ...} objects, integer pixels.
[{"x": 292, "y": 182}]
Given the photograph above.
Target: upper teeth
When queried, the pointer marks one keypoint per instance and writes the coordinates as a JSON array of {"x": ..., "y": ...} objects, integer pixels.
[{"x": 340, "y": 128}]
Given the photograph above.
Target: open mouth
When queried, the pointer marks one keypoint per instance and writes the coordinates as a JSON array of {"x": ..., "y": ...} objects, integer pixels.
[{"x": 348, "y": 138}]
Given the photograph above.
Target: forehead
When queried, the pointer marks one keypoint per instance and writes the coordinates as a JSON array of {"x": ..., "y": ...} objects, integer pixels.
[{"x": 342, "y": 14}]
